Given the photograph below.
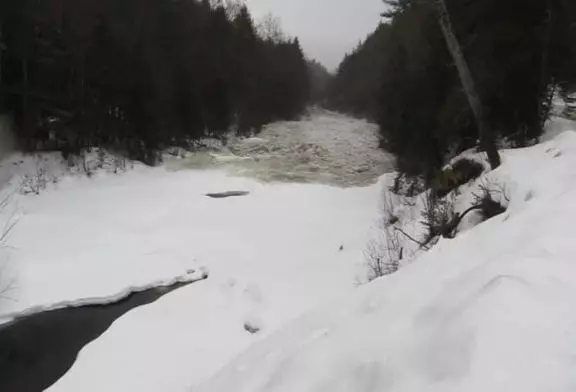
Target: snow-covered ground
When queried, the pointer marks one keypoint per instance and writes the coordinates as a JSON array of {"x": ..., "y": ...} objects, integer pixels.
[
  {"x": 271, "y": 255},
  {"x": 491, "y": 310},
  {"x": 82, "y": 239},
  {"x": 556, "y": 126},
  {"x": 488, "y": 310}
]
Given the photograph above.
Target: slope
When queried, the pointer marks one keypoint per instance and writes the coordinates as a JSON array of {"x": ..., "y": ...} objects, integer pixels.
[{"x": 489, "y": 310}]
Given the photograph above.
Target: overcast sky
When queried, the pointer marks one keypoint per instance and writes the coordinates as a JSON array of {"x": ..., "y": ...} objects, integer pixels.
[{"x": 327, "y": 29}]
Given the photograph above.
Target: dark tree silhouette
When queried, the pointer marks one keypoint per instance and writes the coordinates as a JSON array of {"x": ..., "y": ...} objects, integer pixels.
[
  {"x": 112, "y": 73},
  {"x": 406, "y": 76}
]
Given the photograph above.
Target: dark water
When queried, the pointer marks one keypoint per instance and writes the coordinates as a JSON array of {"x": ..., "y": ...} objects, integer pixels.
[{"x": 37, "y": 350}]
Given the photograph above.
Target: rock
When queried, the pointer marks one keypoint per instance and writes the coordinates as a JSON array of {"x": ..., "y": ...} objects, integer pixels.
[
  {"x": 361, "y": 169},
  {"x": 222, "y": 195},
  {"x": 253, "y": 329}
]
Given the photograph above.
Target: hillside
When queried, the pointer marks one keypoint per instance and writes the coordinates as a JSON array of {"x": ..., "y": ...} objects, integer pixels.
[{"x": 488, "y": 310}]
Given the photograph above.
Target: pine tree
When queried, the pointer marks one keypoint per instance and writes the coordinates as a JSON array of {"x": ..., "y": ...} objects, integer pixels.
[
  {"x": 81, "y": 73},
  {"x": 513, "y": 59}
]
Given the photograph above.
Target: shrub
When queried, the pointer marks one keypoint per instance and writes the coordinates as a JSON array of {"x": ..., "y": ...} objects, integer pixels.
[
  {"x": 407, "y": 186},
  {"x": 439, "y": 218},
  {"x": 34, "y": 183},
  {"x": 383, "y": 256},
  {"x": 467, "y": 169},
  {"x": 389, "y": 216},
  {"x": 487, "y": 202},
  {"x": 459, "y": 173}
]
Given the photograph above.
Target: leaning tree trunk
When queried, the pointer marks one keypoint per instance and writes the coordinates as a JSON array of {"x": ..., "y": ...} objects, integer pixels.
[
  {"x": 487, "y": 140},
  {"x": 1, "y": 50}
]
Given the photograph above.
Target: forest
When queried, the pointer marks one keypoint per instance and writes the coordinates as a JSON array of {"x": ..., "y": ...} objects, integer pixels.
[
  {"x": 404, "y": 77},
  {"x": 133, "y": 79},
  {"x": 81, "y": 73}
]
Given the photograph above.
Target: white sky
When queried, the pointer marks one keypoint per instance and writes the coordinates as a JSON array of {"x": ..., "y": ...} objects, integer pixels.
[{"x": 327, "y": 29}]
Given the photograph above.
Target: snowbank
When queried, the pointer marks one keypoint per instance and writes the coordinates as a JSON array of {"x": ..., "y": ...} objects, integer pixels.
[
  {"x": 90, "y": 240},
  {"x": 190, "y": 276},
  {"x": 272, "y": 255},
  {"x": 490, "y": 310},
  {"x": 86, "y": 235},
  {"x": 555, "y": 126}
]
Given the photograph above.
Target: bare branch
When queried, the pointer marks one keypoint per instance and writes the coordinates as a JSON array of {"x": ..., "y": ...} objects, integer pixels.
[{"x": 409, "y": 237}]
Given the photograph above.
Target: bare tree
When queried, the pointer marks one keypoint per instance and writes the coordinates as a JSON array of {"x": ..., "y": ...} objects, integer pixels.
[
  {"x": 270, "y": 28},
  {"x": 383, "y": 255},
  {"x": 487, "y": 138},
  {"x": 232, "y": 7}
]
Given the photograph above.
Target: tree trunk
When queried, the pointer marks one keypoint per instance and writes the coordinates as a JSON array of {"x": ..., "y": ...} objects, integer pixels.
[
  {"x": 25, "y": 87},
  {"x": 1, "y": 53},
  {"x": 487, "y": 140},
  {"x": 546, "y": 82}
]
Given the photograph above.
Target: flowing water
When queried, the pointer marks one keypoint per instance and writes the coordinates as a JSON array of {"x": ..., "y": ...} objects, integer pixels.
[
  {"x": 36, "y": 350},
  {"x": 323, "y": 147}
]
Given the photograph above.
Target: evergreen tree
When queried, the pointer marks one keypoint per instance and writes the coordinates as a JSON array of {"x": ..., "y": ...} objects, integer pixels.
[
  {"x": 320, "y": 79},
  {"x": 112, "y": 73},
  {"x": 516, "y": 60},
  {"x": 355, "y": 87}
]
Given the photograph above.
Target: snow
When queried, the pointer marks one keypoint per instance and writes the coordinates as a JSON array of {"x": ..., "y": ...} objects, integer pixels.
[
  {"x": 89, "y": 239},
  {"x": 282, "y": 309},
  {"x": 95, "y": 237},
  {"x": 272, "y": 254},
  {"x": 557, "y": 125},
  {"x": 190, "y": 276},
  {"x": 491, "y": 309}
]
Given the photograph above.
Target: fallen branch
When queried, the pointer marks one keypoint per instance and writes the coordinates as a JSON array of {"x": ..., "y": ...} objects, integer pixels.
[
  {"x": 410, "y": 237},
  {"x": 462, "y": 215},
  {"x": 223, "y": 195}
]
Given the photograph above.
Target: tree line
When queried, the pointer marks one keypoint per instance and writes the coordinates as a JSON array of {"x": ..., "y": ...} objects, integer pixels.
[
  {"x": 137, "y": 77},
  {"x": 408, "y": 76}
]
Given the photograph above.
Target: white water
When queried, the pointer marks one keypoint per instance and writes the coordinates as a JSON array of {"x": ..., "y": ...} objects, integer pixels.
[{"x": 323, "y": 147}]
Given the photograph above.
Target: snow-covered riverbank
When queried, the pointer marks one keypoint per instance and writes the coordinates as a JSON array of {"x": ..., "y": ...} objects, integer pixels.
[{"x": 272, "y": 254}]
